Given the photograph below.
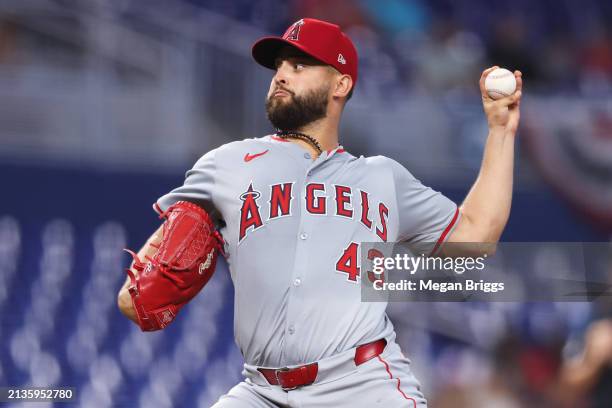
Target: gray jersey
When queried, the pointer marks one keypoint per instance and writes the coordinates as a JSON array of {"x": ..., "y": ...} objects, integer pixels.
[{"x": 293, "y": 228}]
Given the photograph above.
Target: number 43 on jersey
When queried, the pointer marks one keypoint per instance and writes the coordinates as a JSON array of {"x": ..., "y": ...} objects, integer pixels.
[{"x": 348, "y": 262}]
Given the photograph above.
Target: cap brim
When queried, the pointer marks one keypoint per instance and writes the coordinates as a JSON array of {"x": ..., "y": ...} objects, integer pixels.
[{"x": 266, "y": 49}]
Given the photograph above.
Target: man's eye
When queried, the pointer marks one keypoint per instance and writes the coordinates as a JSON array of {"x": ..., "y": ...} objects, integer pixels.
[{"x": 299, "y": 66}]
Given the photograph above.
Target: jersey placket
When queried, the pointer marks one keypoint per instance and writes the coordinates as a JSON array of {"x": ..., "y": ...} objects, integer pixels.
[{"x": 300, "y": 270}]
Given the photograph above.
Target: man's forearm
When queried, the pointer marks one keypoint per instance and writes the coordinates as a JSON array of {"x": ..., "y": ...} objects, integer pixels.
[{"x": 487, "y": 205}]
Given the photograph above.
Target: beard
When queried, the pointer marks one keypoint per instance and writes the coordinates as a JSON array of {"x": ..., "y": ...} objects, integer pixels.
[{"x": 299, "y": 110}]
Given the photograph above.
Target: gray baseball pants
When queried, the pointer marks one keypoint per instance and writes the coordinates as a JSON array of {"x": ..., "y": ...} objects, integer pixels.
[{"x": 384, "y": 381}]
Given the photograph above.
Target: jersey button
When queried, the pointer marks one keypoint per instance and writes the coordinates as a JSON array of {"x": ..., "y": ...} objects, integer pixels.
[
  {"x": 303, "y": 235},
  {"x": 307, "y": 155},
  {"x": 291, "y": 329},
  {"x": 297, "y": 282}
]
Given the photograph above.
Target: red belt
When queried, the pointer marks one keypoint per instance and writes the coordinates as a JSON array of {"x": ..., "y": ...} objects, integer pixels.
[{"x": 292, "y": 378}]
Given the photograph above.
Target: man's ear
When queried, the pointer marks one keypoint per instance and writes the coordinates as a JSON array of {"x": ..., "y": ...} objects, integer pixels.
[{"x": 343, "y": 85}]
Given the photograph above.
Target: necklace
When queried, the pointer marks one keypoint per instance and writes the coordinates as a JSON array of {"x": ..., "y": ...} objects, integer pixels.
[{"x": 289, "y": 134}]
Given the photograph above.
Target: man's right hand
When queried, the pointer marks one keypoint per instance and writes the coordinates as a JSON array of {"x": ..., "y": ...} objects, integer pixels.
[{"x": 502, "y": 113}]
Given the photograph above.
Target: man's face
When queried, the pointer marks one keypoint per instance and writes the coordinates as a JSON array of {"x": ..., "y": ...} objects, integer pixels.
[{"x": 299, "y": 91}]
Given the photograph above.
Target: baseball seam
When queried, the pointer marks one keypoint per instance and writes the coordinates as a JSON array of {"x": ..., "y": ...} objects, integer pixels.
[{"x": 499, "y": 91}]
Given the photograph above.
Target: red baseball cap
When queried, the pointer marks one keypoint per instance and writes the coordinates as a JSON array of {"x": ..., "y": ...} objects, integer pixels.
[{"x": 319, "y": 39}]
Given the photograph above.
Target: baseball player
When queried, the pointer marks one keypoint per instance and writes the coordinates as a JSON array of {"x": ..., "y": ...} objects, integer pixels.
[{"x": 293, "y": 208}]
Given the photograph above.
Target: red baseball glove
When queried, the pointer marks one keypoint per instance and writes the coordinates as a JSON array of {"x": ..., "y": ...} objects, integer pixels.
[{"x": 184, "y": 262}]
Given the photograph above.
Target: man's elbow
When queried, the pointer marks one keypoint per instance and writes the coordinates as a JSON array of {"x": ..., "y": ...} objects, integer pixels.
[
  {"x": 489, "y": 235},
  {"x": 471, "y": 249},
  {"x": 484, "y": 241},
  {"x": 475, "y": 237}
]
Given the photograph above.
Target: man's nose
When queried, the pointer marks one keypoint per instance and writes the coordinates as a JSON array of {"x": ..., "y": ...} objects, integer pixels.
[
  {"x": 280, "y": 80},
  {"x": 281, "y": 74}
]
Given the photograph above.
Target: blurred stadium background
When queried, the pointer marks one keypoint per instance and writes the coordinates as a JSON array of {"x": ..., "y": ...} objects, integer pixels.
[{"x": 105, "y": 104}]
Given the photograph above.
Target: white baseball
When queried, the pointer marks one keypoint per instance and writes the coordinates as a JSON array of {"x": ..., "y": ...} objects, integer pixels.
[{"x": 499, "y": 83}]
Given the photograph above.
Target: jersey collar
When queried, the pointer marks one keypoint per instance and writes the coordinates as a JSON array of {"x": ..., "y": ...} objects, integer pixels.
[{"x": 329, "y": 153}]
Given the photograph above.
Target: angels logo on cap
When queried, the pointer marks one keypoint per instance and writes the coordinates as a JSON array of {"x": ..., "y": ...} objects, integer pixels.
[
  {"x": 293, "y": 33},
  {"x": 319, "y": 39}
]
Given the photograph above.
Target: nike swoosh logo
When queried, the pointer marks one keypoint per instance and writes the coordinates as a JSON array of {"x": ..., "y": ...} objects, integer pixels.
[{"x": 248, "y": 157}]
